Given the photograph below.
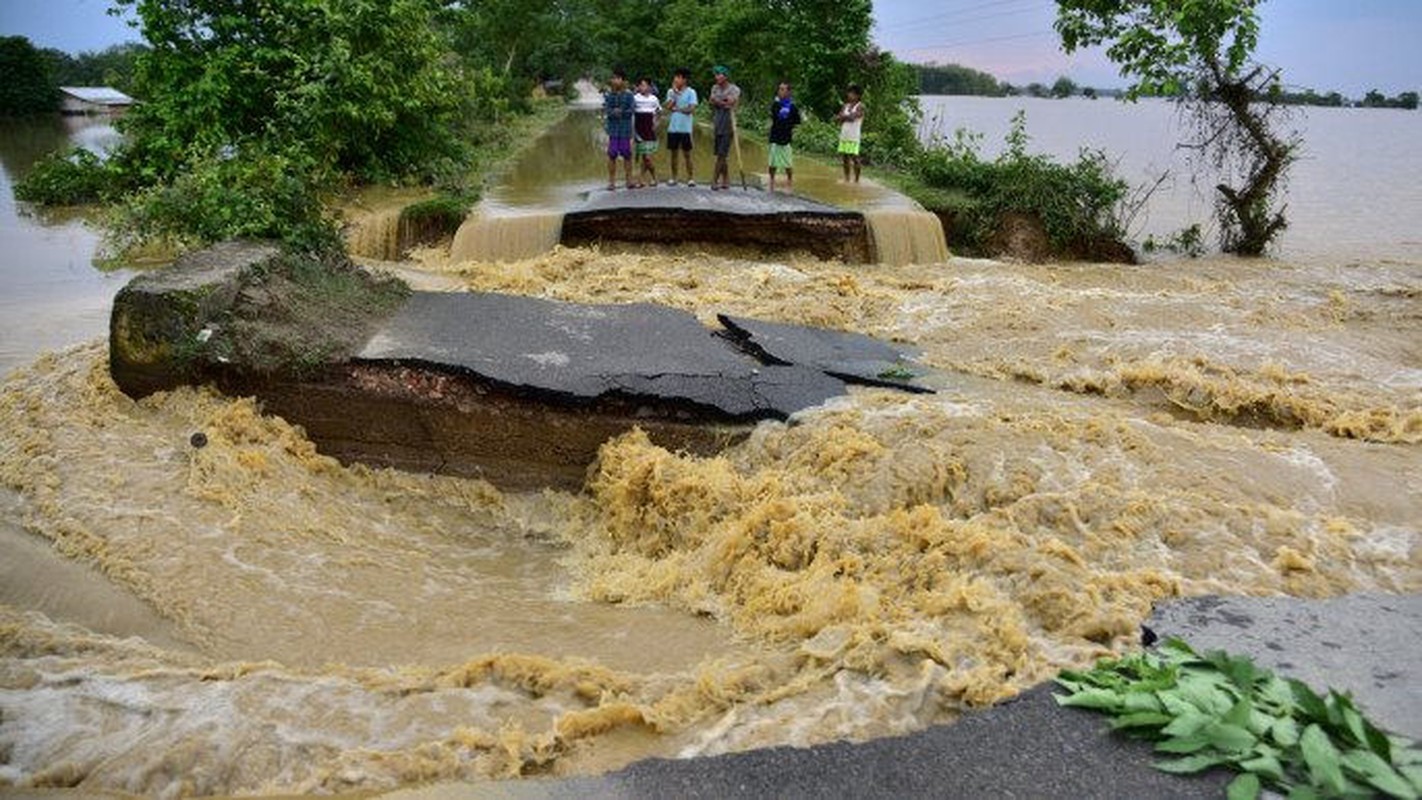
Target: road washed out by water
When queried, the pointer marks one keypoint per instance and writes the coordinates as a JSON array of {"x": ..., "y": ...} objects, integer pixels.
[
  {"x": 1103, "y": 437},
  {"x": 253, "y": 617}
]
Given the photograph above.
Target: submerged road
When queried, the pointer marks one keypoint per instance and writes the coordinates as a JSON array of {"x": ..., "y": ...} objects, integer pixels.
[{"x": 1370, "y": 645}]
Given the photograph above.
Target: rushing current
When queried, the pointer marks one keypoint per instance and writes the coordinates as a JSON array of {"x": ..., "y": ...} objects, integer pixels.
[{"x": 252, "y": 617}]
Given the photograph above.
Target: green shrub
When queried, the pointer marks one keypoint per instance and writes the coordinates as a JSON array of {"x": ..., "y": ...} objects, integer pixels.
[
  {"x": 227, "y": 195},
  {"x": 1077, "y": 203},
  {"x": 66, "y": 178}
]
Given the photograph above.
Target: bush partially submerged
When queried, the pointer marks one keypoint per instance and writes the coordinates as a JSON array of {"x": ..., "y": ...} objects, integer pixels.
[
  {"x": 1076, "y": 203},
  {"x": 248, "y": 193},
  {"x": 67, "y": 178}
]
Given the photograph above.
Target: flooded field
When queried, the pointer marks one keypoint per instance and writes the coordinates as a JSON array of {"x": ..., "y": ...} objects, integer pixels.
[{"x": 252, "y": 617}]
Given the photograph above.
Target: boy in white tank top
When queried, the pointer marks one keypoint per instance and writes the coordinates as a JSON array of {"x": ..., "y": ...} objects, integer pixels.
[{"x": 851, "y": 124}]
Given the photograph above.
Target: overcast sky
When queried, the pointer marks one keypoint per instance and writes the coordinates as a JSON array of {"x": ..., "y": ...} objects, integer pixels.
[{"x": 1347, "y": 45}]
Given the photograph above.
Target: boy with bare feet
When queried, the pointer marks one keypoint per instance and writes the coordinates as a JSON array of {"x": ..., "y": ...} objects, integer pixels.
[
  {"x": 617, "y": 110},
  {"x": 784, "y": 116}
]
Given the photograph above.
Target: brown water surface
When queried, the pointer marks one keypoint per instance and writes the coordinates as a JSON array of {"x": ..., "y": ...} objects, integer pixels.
[{"x": 252, "y": 617}]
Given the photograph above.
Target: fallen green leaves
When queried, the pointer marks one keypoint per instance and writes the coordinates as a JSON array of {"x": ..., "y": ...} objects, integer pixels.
[{"x": 1221, "y": 710}]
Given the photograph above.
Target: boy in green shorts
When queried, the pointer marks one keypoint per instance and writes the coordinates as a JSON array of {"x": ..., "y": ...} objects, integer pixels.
[
  {"x": 784, "y": 116},
  {"x": 645, "y": 108},
  {"x": 851, "y": 123}
]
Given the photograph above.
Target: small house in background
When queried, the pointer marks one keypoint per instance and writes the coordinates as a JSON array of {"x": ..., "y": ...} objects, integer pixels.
[{"x": 93, "y": 100}]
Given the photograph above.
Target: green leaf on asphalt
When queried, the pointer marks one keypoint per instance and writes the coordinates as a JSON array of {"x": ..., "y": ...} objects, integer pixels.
[
  {"x": 1238, "y": 714},
  {"x": 1177, "y": 705},
  {"x": 1176, "y": 645},
  {"x": 1276, "y": 693},
  {"x": 1141, "y": 719},
  {"x": 1103, "y": 699},
  {"x": 1322, "y": 758},
  {"x": 1267, "y": 766},
  {"x": 1186, "y": 724},
  {"x": 1223, "y": 710},
  {"x": 1285, "y": 732},
  {"x": 1141, "y": 701},
  {"x": 1244, "y": 787},
  {"x": 1192, "y": 763},
  {"x": 1308, "y": 701},
  {"x": 1413, "y": 774},
  {"x": 1354, "y": 722},
  {"x": 1182, "y": 744},
  {"x": 1203, "y": 694},
  {"x": 1403, "y": 751},
  {"x": 1378, "y": 773},
  {"x": 1229, "y": 738}
]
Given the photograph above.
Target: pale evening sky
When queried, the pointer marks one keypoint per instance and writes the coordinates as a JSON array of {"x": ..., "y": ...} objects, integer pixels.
[{"x": 1350, "y": 46}]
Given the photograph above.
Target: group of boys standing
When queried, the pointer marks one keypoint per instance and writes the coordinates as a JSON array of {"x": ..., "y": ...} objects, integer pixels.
[{"x": 631, "y": 123}]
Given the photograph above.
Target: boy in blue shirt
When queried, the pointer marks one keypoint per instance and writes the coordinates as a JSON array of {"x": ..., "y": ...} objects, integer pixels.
[
  {"x": 617, "y": 111},
  {"x": 681, "y": 102}
]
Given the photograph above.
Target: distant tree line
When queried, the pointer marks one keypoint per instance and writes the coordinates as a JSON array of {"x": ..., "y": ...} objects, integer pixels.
[
  {"x": 956, "y": 79},
  {"x": 1373, "y": 99},
  {"x": 951, "y": 79}
]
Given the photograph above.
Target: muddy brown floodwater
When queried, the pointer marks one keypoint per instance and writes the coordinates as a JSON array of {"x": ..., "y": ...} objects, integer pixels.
[
  {"x": 252, "y": 617},
  {"x": 1104, "y": 436}
]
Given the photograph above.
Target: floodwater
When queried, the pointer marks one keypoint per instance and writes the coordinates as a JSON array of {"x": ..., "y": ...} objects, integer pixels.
[
  {"x": 50, "y": 293},
  {"x": 252, "y": 617},
  {"x": 1355, "y": 192}
]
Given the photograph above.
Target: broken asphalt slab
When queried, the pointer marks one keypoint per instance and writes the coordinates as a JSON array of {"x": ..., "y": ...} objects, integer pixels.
[
  {"x": 578, "y": 353},
  {"x": 848, "y": 356},
  {"x": 520, "y": 391},
  {"x": 1369, "y": 645}
]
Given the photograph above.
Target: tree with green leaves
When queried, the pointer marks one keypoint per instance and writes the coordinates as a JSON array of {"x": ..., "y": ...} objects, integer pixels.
[
  {"x": 29, "y": 86},
  {"x": 1201, "y": 54},
  {"x": 360, "y": 86},
  {"x": 1064, "y": 87}
]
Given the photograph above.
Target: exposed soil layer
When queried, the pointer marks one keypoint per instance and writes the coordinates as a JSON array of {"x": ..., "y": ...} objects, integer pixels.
[
  {"x": 519, "y": 391},
  {"x": 670, "y": 215}
]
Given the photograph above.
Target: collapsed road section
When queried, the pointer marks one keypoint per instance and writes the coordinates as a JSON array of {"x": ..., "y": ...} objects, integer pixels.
[{"x": 518, "y": 390}]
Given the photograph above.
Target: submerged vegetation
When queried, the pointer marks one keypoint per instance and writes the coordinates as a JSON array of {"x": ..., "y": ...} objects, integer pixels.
[
  {"x": 1076, "y": 203},
  {"x": 1219, "y": 710},
  {"x": 1201, "y": 54}
]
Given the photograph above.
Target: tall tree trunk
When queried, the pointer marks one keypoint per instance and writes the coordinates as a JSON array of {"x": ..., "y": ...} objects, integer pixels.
[{"x": 1249, "y": 220}]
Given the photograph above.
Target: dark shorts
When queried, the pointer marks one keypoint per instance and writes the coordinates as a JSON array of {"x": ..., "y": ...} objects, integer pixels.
[
  {"x": 723, "y": 144},
  {"x": 619, "y": 148},
  {"x": 679, "y": 141}
]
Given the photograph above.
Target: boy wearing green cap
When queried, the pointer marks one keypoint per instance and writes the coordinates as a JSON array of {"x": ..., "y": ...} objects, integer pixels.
[{"x": 724, "y": 97}]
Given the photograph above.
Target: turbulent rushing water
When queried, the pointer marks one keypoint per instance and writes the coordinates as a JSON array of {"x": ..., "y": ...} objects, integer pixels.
[{"x": 253, "y": 617}]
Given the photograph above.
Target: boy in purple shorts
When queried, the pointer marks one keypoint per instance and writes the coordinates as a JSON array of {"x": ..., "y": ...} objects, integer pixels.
[{"x": 617, "y": 111}]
